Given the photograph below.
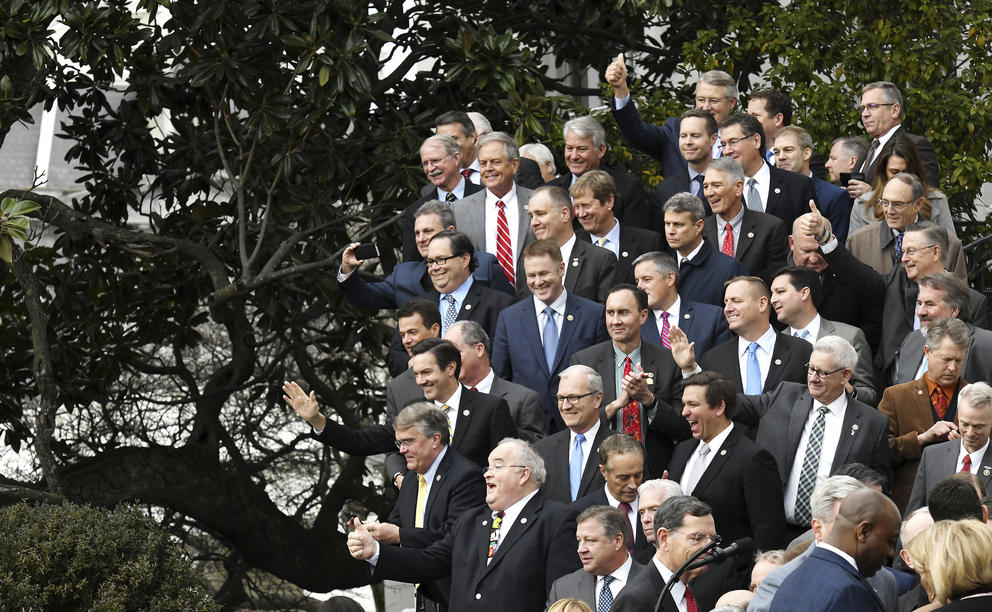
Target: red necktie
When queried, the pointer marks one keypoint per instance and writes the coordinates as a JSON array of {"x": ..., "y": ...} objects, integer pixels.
[
  {"x": 473, "y": 389},
  {"x": 728, "y": 242},
  {"x": 666, "y": 330},
  {"x": 467, "y": 173},
  {"x": 504, "y": 254},
  {"x": 939, "y": 400},
  {"x": 966, "y": 464},
  {"x": 632, "y": 411},
  {"x": 625, "y": 508},
  {"x": 690, "y": 601}
]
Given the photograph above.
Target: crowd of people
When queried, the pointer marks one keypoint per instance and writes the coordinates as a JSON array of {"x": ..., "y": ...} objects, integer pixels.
[{"x": 763, "y": 386}]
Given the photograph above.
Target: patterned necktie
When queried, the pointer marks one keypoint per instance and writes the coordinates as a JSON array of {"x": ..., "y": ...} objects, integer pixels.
[
  {"x": 753, "y": 200},
  {"x": 575, "y": 465},
  {"x": 494, "y": 534},
  {"x": 549, "y": 337},
  {"x": 870, "y": 155},
  {"x": 450, "y": 198},
  {"x": 966, "y": 464},
  {"x": 605, "y": 595},
  {"x": 625, "y": 508},
  {"x": 898, "y": 251},
  {"x": 467, "y": 173},
  {"x": 753, "y": 386},
  {"x": 697, "y": 468},
  {"x": 690, "y": 602},
  {"x": 811, "y": 465},
  {"x": 504, "y": 252},
  {"x": 449, "y": 313},
  {"x": 666, "y": 331},
  {"x": 446, "y": 409},
  {"x": 802, "y": 334},
  {"x": 418, "y": 519},
  {"x": 698, "y": 191},
  {"x": 632, "y": 411},
  {"x": 601, "y": 242},
  {"x": 939, "y": 400},
  {"x": 727, "y": 248}
]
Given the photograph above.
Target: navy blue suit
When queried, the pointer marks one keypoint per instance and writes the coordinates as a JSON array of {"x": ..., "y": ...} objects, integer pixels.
[
  {"x": 703, "y": 324},
  {"x": 835, "y": 205},
  {"x": 701, "y": 278},
  {"x": 518, "y": 354},
  {"x": 658, "y": 141},
  {"x": 824, "y": 582}
]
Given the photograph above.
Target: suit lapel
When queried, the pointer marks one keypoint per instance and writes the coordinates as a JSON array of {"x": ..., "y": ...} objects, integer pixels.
[
  {"x": 685, "y": 319},
  {"x": 573, "y": 268},
  {"x": 592, "y": 461},
  {"x": 719, "y": 460},
  {"x": 850, "y": 430},
  {"x": 827, "y": 328},
  {"x": 471, "y": 302},
  {"x": 796, "y": 425},
  {"x": 528, "y": 324},
  {"x": 680, "y": 458},
  {"x": 524, "y": 521},
  {"x": 523, "y": 222},
  {"x": 780, "y": 356},
  {"x": 567, "y": 331},
  {"x": 437, "y": 485},
  {"x": 985, "y": 469},
  {"x": 748, "y": 226},
  {"x": 464, "y": 420}
]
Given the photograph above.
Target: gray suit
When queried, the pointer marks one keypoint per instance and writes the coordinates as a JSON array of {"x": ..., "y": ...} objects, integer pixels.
[
  {"x": 470, "y": 219},
  {"x": 939, "y": 462},
  {"x": 883, "y": 583},
  {"x": 582, "y": 585},
  {"x": 862, "y": 380},
  {"x": 525, "y": 408},
  {"x": 977, "y": 359}
]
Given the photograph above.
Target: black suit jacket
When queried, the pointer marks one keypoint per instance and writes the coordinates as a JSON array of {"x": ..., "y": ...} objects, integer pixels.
[
  {"x": 458, "y": 487},
  {"x": 481, "y": 305},
  {"x": 789, "y": 194},
  {"x": 537, "y": 550},
  {"x": 590, "y": 272},
  {"x": 788, "y": 361},
  {"x": 701, "y": 278},
  {"x": 667, "y": 425},
  {"x": 429, "y": 192},
  {"x": 853, "y": 293},
  {"x": 631, "y": 206},
  {"x": 555, "y": 451},
  {"x": 598, "y": 498},
  {"x": 927, "y": 155},
  {"x": 677, "y": 183},
  {"x": 634, "y": 242},
  {"x": 743, "y": 486},
  {"x": 763, "y": 246},
  {"x": 483, "y": 420}
]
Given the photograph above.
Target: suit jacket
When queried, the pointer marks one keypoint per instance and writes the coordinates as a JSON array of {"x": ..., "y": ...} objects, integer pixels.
[
  {"x": 862, "y": 380},
  {"x": 789, "y": 194},
  {"x": 835, "y": 204},
  {"x": 662, "y": 424},
  {"x": 555, "y": 451},
  {"x": 676, "y": 183},
  {"x": 470, "y": 218},
  {"x": 598, "y": 498},
  {"x": 580, "y": 584},
  {"x": 781, "y": 414},
  {"x": 900, "y": 312},
  {"x": 701, "y": 278},
  {"x": 658, "y": 141},
  {"x": 521, "y": 359},
  {"x": 641, "y": 592},
  {"x": 525, "y": 408},
  {"x": 763, "y": 246},
  {"x": 482, "y": 422},
  {"x": 400, "y": 393},
  {"x": 940, "y": 461},
  {"x": 927, "y": 155},
  {"x": 542, "y": 540},
  {"x": 743, "y": 487},
  {"x": 590, "y": 272},
  {"x": 481, "y": 304},
  {"x": 910, "y": 412},
  {"x": 826, "y": 582},
  {"x": 634, "y": 242},
  {"x": 788, "y": 358},
  {"x": 631, "y": 206},
  {"x": 458, "y": 487},
  {"x": 427, "y": 193},
  {"x": 703, "y": 324},
  {"x": 977, "y": 363},
  {"x": 853, "y": 293},
  {"x": 875, "y": 245},
  {"x": 528, "y": 175}
]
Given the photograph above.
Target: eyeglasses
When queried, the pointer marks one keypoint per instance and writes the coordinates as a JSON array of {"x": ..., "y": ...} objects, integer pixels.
[
  {"x": 733, "y": 142},
  {"x": 872, "y": 106},
  {"x": 496, "y": 468},
  {"x": 440, "y": 261},
  {"x": 572, "y": 399},
  {"x": 401, "y": 444},
  {"x": 697, "y": 538},
  {"x": 911, "y": 251},
  {"x": 820, "y": 373},
  {"x": 433, "y": 162},
  {"x": 893, "y": 204},
  {"x": 712, "y": 101}
]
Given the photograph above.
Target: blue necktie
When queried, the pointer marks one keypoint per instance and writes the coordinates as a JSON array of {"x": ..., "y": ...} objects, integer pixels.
[
  {"x": 549, "y": 336},
  {"x": 449, "y": 313},
  {"x": 605, "y": 595},
  {"x": 753, "y": 386},
  {"x": 699, "y": 186},
  {"x": 575, "y": 465},
  {"x": 899, "y": 247}
]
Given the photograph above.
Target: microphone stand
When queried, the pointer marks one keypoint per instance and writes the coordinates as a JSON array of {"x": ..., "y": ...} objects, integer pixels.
[{"x": 678, "y": 573}]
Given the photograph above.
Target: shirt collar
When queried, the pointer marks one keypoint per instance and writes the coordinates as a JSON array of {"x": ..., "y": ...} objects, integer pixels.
[
  {"x": 619, "y": 356},
  {"x": 510, "y": 514},
  {"x": 840, "y": 553},
  {"x": 766, "y": 342},
  {"x": 589, "y": 434},
  {"x": 558, "y": 305},
  {"x": 976, "y": 456},
  {"x": 486, "y": 384},
  {"x": 717, "y": 442},
  {"x": 507, "y": 198},
  {"x": 458, "y": 190},
  {"x": 613, "y": 236},
  {"x": 566, "y": 249},
  {"x": 432, "y": 470},
  {"x": 692, "y": 253},
  {"x": 454, "y": 400},
  {"x": 763, "y": 175},
  {"x": 462, "y": 290}
]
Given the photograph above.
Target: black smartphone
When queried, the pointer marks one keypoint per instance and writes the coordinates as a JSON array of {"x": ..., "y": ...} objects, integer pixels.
[
  {"x": 858, "y": 176},
  {"x": 845, "y": 178},
  {"x": 369, "y": 250}
]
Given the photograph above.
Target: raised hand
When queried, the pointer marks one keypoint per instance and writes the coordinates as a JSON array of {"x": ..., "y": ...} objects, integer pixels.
[
  {"x": 360, "y": 542},
  {"x": 616, "y": 76},
  {"x": 386, "y": 533},
  {"x": 683, "y": 351},
  {"x": 637, "y": 385},
  {"x": 304, "y": 405},
  {"x": 348, "y": 260}
]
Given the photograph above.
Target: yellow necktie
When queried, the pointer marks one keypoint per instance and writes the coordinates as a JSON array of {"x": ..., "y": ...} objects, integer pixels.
[
  {"x": 418, "y": 519},
  {"x": 445, "y": 409},
  {"x": 601, "y": 242}
]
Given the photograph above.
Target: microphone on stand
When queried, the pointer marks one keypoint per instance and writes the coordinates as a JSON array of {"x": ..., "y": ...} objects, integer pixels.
[{"x": 741, "y": 546}]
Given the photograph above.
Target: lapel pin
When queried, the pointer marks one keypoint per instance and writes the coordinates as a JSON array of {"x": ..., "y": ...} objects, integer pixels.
[
  {"x": 649, "y": 380},
  {"x": 485, "y": 522},
  {"x": 986, "y": 472},
  {"x": 624, "y": 254},
  {"x": 854, "y": 427},
  {"x": 523, "y": 520},
  {"x": 575, "y": 263},
  {"x": 438, "y": 478},
  {"x": 468, "y": 307},
  {"x": 777, "y": 190},
  {"x": 570, "y": 318},
  {"x": 750, "y": 234},
  {"x": 464, "y": 412},
  {"x": 723, "y": 451},
  {"x": 686, "y": 316},
  {"x": 919, "y": 391},
  {"x": 778, "y": 362}
]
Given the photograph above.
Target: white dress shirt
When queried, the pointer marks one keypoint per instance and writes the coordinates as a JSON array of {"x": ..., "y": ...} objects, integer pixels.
[
  {"x": 763, "y": 183},
  {"x": 512, "y": 212},
  {"x": 976, "y": 458},
  {"x": 832, "y": 423},
  {"x": 612, "y": 239}
]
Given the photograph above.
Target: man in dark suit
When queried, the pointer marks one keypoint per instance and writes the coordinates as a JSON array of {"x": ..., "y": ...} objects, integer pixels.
[
  {"x": 590, "y": 272},
  {"x": 657, "y": 275},
  {"x": 450, "y": 263},
  {"x": 593, "y": 199},
  {"x": 716, "y": 93},
  {"x": 477, "y": 422},
  {"x": 585, "y": 146},
  {"x": 697, "y": 137},
  {"x": 641, "y": 382},
  {"x": 757, "y": 358},
  {"x": 722, "y": 467},
  {"x": 813, "y": 430},
  {"x": 767, "y": 189},
  {"x": 441, "y": 485},
  {"x": 865, "y": 530},
  {"x": 545, "y": 329},
  {"x": 441, "y": 159},
  {"x": 571, "y": 455},
  {"x": 702, "y": 269},
  {"x": 924, "y": 411},
  {"x": 607, "y": 567},
  {"x": 486, "y": 551},
  {"x": 970, "y": 453},
  {"x": 682, "y": 525},
  {"x": 651, "y": 494},
  {"x": 756, "y": 239}
]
